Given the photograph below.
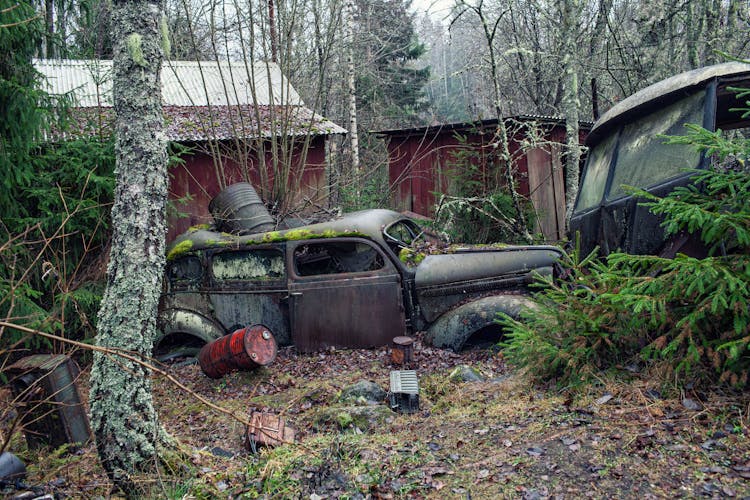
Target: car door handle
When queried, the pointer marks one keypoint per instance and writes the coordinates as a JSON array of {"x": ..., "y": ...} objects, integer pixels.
[{"x": 295, "y": 294}]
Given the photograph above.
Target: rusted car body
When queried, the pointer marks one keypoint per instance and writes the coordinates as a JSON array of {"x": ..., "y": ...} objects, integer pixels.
[
  {"x": 339, "y": 284},
  {"x": 627, "y": 149}
]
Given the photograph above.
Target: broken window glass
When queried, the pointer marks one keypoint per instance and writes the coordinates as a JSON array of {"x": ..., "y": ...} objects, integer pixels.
[
  {"x": 185, "y": 269},
  {"x": 257, "y": 265},
  {"x": 336, "y": 257},
  {"x": 643, "y": 159},
  {"x": 402, "y": 234},
  {"x": 595, "y": 178}
]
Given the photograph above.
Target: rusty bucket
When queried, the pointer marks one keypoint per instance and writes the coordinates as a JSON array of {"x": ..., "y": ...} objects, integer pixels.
[
  {"x": 402, "y": 351},
  {"x": 245, "y": 349},
  {"x": 239, "y": 209}
]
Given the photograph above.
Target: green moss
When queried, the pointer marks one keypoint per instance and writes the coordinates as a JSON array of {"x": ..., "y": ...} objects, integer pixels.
[
  {"x": 199, "y": 227},
  {"x": 134, "y": 44},
  {"x": 411, "y": 257},
  {"x": 344, "y": 420},
  {"x": 180, "y": 249}
]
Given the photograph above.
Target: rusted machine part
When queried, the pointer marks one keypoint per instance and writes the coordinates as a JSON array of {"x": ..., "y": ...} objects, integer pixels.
[
  {"x": 239, "y": 209},
  {"x": 267, "y": 429},
  {"x": 45, "y": 385},
  {"x": 404, "y": 393},
  {"x": 11, "y": 467},
  {"x": 245, "y": 349},
  {"x": 402, "y": 352}
]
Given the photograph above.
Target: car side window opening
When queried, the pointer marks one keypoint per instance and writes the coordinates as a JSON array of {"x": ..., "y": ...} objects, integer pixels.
[
  {"x": 642, "y": 157},
  {"x": 255, "y": 265},
  {"x": 313, "y": 259},
  {"x": 185, "y": 269}
]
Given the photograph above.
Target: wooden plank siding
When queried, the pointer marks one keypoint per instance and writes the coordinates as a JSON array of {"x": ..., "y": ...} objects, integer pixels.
[
  {"x": 421, "y": 163},
  {"x": 196, "y": 182}
]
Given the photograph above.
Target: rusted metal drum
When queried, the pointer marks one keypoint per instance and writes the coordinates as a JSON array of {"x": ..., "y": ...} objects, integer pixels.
[
  {"x": 246, "y": 349},
  {"x": 402, "y": 352},
  {"x": 46, "y": 386},
  {"x": 239, "y": 209}
]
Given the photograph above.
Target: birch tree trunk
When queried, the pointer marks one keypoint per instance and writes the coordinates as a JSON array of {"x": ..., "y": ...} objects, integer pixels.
[
  {"x": 352, "y": 94},
  {"x": 122, "y": 414},
  {"x": 570, "y": 11}
]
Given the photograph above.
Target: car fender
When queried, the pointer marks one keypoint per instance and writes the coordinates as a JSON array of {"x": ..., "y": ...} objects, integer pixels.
[
  {"x": 185, "y": 321},
  {"x": 453, "y": 329}
]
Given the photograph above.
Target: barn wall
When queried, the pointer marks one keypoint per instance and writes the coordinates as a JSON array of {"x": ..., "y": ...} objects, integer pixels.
[
  {"x": 195, "y": 183},
  {"x": 420, "y": 164}
]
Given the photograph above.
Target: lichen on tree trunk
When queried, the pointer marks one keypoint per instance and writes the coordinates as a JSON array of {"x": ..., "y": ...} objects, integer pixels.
[{"x": 122, "y": 414}]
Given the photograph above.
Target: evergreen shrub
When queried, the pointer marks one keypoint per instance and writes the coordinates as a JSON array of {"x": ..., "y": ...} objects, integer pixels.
[{"x": 690, "y": 315}]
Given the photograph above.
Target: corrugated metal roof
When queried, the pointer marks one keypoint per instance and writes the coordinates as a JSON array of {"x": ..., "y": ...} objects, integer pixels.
[
  {"x": 199, "y": 123},
  {"x": 431, "y": 129},
  {"x": 184, "y": 83},
  {"x": 237, "y": 108}
]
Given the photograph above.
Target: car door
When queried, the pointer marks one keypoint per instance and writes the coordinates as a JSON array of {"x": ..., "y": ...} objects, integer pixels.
[
  {"x": 248, "y": 286},
  {"x": 344, "y": 292}
]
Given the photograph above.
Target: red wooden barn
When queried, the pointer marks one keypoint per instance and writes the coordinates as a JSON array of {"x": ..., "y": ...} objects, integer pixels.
[
  {"x": 422, "y": 163},
  {"x": 240, "y": 122}
]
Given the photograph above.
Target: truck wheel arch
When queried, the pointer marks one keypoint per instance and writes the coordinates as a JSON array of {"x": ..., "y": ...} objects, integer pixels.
[{"x": 455, "y": 327}]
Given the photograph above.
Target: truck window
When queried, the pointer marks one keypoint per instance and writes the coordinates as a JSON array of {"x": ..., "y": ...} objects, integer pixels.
[
  {"x": 336, "y": 257},
  {"x": 255, "y": 265},
  {"x": 595, "y": 178},
  {"x": 642, "y": 157}
]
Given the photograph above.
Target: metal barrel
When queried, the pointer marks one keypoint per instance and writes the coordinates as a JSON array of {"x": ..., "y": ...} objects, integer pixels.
[
  {"x": 11, "y": 468},
  {"x": 245, "y": 349},
  {"x": 239, "y": 209}
]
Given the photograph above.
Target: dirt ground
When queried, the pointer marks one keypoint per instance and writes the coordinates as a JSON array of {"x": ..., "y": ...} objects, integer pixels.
[{"x": 495, "y": 438}]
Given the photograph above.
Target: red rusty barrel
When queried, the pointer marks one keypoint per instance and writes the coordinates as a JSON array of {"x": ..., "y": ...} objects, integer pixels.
[{"x": 245, "y": 349}]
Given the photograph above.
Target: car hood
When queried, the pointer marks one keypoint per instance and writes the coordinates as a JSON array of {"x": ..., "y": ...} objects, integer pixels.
[{"x": 469, "y": 264}]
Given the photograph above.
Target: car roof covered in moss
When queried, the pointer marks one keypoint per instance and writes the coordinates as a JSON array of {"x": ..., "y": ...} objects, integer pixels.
[{"x": 365, "y": 223}]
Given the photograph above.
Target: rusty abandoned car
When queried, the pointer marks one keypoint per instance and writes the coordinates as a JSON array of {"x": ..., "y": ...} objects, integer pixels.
[
  {"x": 340, "y": 283},
  {"x": 627, "y": 148}
]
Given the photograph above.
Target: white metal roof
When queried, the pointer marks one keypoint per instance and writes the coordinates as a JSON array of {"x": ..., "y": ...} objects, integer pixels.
[{"x": 184, "y": 83}]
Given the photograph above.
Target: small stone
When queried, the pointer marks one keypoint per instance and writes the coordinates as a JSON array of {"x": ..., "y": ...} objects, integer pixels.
[
  {"x": 691, "y": 405},
  {"x": 535, "y": 451},
  {"x": 465, "y": 373},
  {"x": 604, "y": 399},
  {"x": 363, "y": 392},
  {"x": 652, "y": 394}
]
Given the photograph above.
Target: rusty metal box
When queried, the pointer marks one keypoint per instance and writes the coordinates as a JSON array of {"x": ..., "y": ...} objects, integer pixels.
[
  {"x": 45, "y": 386},
  {"x": 404, "y": 393}
]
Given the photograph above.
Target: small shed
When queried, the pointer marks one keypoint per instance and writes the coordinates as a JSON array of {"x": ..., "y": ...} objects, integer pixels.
[
  {"x": 240, "y": 122},
  {"x": 422, "y": 162}
]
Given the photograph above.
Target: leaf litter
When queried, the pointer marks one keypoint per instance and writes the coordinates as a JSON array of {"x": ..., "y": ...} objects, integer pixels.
[{"x": 497, "y": 438}]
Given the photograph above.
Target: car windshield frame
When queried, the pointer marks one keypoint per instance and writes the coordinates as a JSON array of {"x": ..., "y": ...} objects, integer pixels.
[{"x": 415, "y": 232}]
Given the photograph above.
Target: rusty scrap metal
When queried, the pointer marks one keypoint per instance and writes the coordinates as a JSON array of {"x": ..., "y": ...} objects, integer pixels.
[
  {"x": 245, "y": 349},
  {"x": 404, "y": 393},
  {"x": 53, "y": 414},
  {"x": 267, "y": 429},
  {"x": 402, "y": 352}
]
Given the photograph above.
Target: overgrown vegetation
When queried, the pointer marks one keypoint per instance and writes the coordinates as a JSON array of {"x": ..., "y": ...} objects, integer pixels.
[
  {"x": 478, "y": 207},
  {"x": 688, "y": 316}
]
